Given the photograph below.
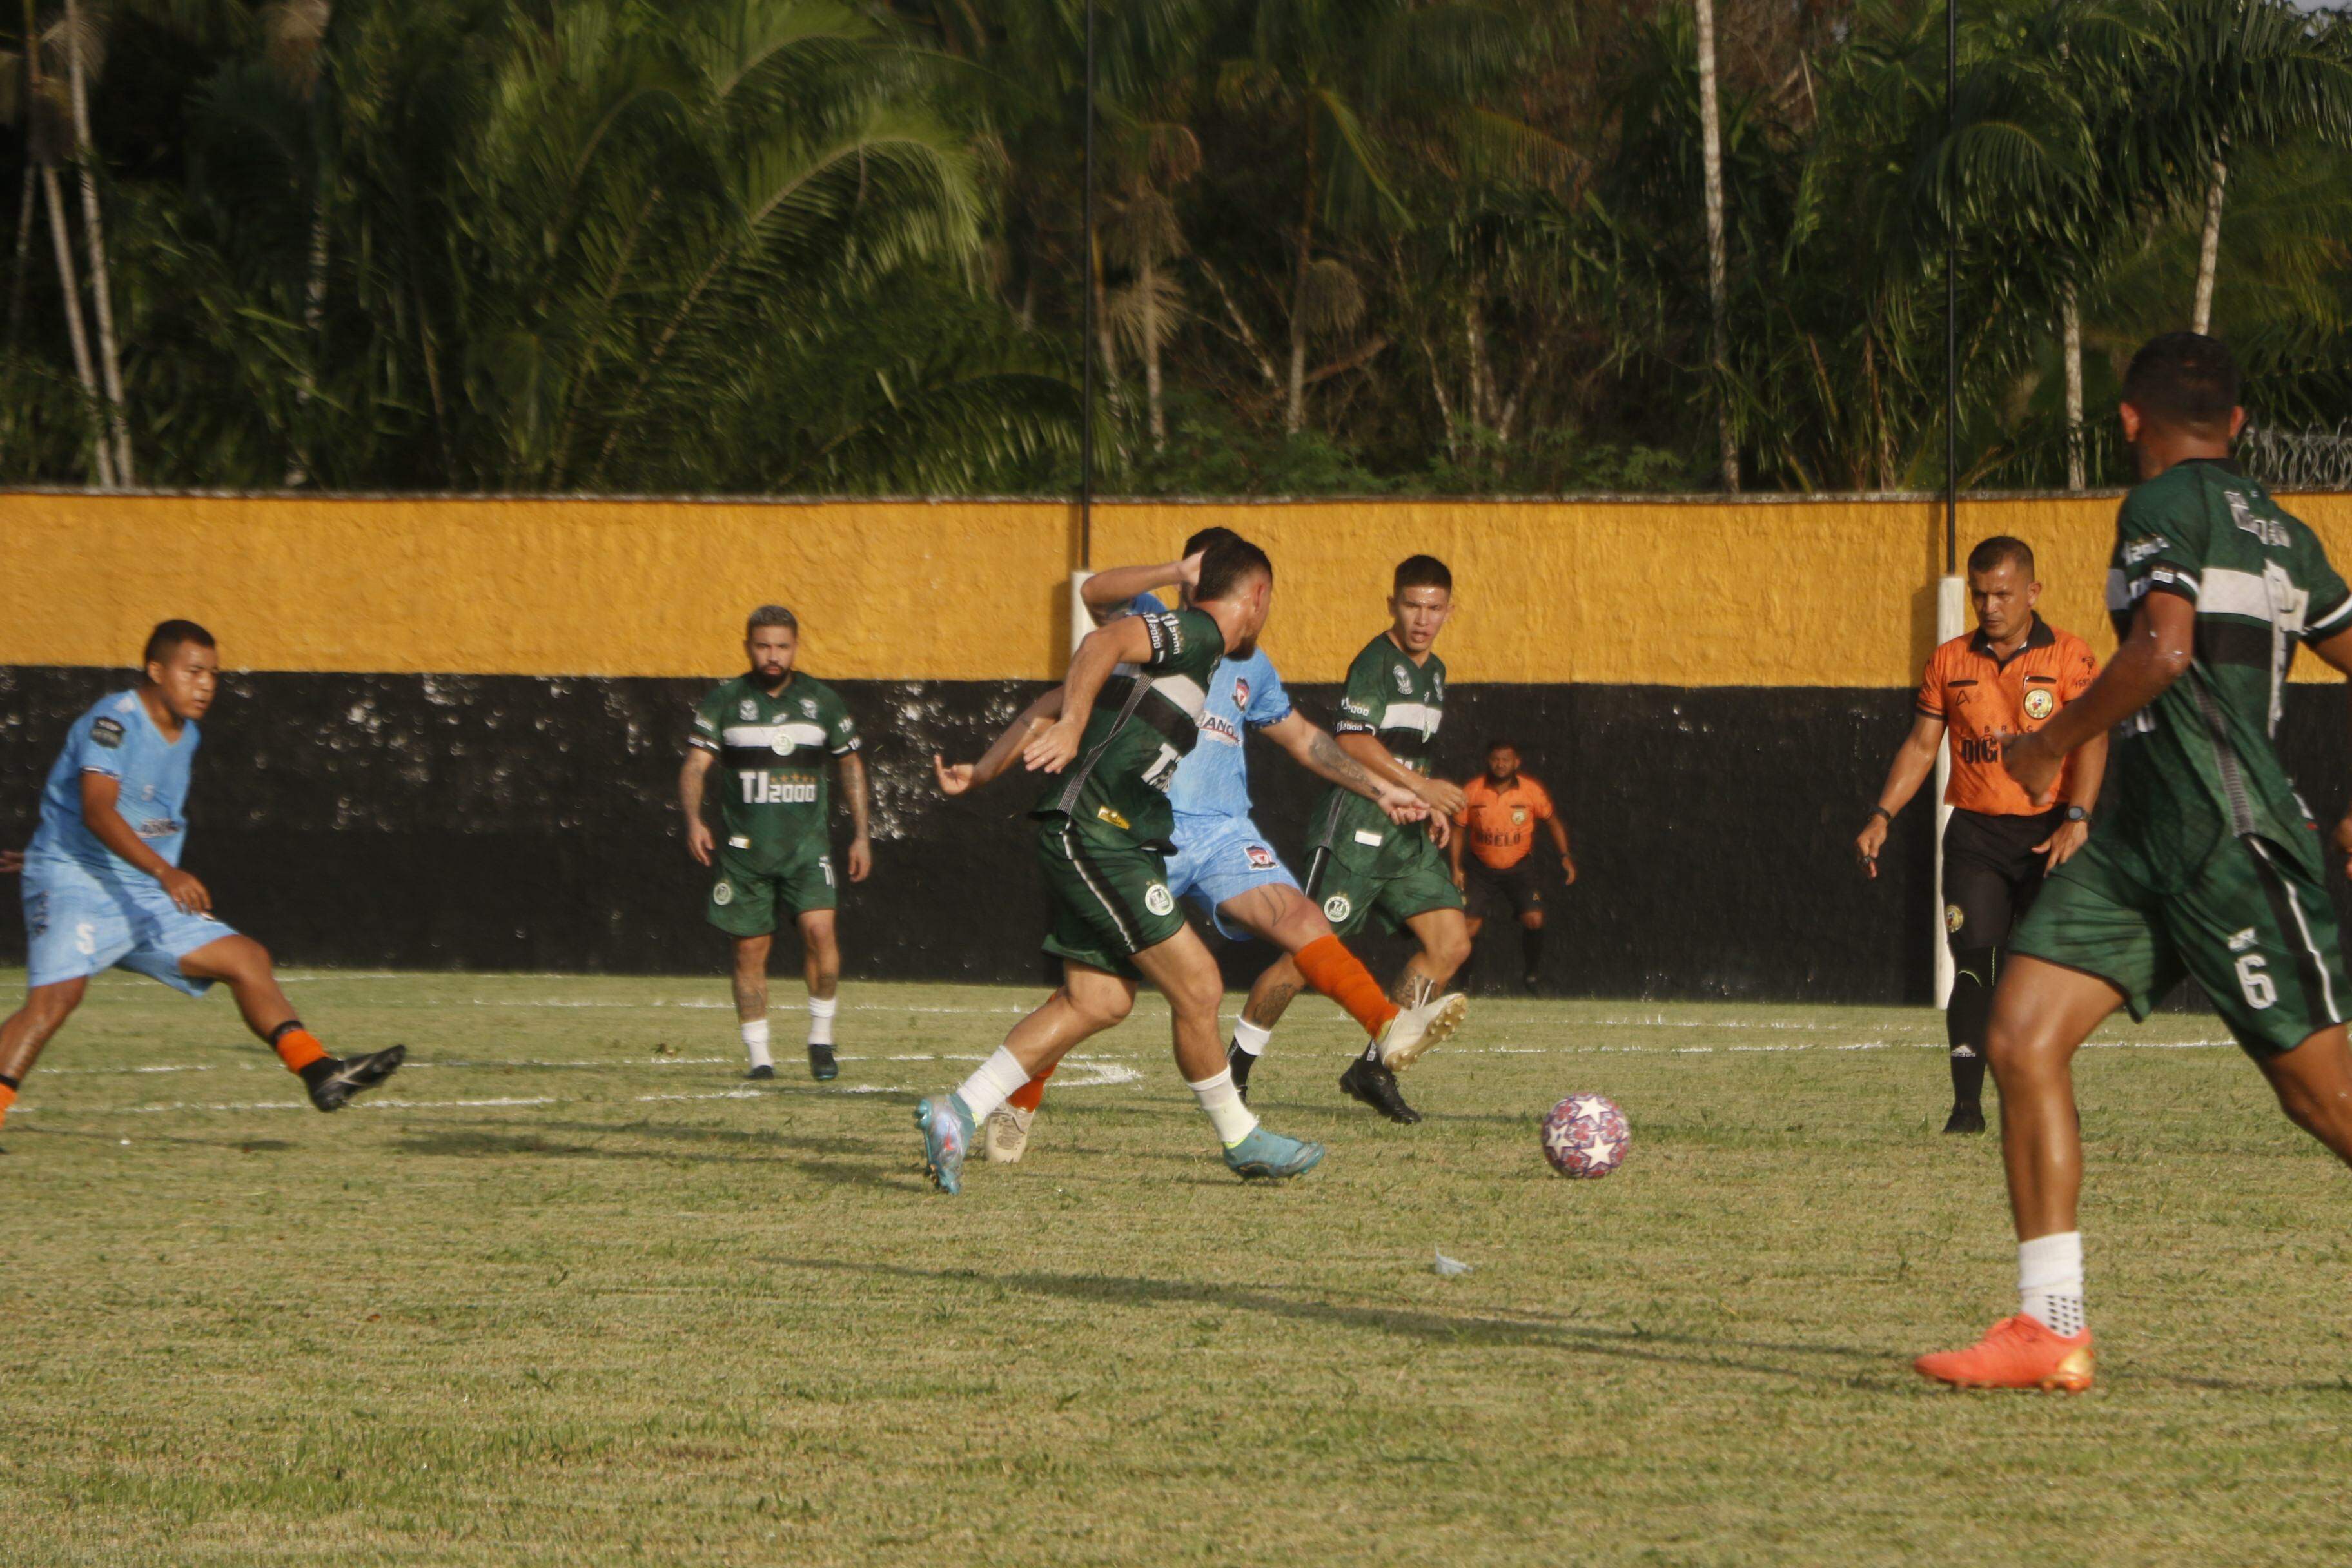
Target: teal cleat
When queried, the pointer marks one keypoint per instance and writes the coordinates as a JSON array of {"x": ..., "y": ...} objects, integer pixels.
[
  {"x": 1270, "y": 1157},
  {"x": 947, "y": 1139}
]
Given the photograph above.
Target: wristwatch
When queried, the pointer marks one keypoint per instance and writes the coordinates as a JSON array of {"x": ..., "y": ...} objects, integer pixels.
[{"x": 2076, "y": 814}]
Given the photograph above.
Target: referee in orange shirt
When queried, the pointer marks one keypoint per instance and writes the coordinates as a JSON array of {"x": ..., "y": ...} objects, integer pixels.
[
  {"x": 1499, "y": 819},
  {"x": 2007, "y": 678}
]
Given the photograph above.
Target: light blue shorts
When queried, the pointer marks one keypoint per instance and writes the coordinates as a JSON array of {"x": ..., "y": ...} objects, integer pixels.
[
  {"x": 1221, "y": 858},
  {"x": 78, "y": 922}
]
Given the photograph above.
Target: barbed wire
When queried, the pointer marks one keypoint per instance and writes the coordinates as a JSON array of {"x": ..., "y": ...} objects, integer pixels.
[{"x": 2291, "y": 461}]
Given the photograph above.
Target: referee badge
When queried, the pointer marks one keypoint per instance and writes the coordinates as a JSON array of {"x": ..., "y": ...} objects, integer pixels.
[
  {"x": 2038, "y": 703},
  {"x": 1518, "y": 816}
]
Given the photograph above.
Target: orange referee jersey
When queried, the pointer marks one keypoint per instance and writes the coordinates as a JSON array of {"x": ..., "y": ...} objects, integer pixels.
[
  {"x": 1502, "y": 822},
  {"x": 1980, "y": 697}
]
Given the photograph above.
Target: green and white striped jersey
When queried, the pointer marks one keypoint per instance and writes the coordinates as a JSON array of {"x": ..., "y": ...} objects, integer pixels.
[
  {"x": 2200, "y": 761},
  {"x": 773, "y": 752},
  {"x": 1145, "y": 719},
  {"x": 1401, "y": 704}
]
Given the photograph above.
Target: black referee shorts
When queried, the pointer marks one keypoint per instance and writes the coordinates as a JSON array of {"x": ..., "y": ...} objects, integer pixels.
[
  {"x": 1514, "y": 886},
  {"x": 1991, "y": 875}
]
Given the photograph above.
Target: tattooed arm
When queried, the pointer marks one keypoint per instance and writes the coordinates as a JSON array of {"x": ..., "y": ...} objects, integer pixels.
[{"x": 1314, "y": 749}]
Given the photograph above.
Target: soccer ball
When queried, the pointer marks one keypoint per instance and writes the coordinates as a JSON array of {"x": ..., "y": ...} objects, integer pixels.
[{"x": 1585, "y": 1135}]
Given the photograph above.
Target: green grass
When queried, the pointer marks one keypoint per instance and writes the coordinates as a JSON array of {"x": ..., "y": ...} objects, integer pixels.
[{"x": 570, "y": 1292}]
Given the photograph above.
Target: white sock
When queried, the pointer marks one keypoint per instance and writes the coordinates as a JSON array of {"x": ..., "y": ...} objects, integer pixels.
[
  {"x": 1250, "y": 1038},
  {"x": 998, "y": 1077},
  {"x": 755, "y": 1043},
  {"x": 821, "y": 1012},
  {"x": 1223, "y": 1105},
  {"x": 2050, "y": 1280}
]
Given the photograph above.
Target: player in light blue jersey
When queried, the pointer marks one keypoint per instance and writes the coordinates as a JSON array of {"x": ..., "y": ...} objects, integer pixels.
[
  {"x": 1228, "y": 867},
  {"x": 103, "y": 886}
]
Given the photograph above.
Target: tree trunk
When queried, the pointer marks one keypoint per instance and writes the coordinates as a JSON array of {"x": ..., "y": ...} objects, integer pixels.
[
  {"x": 1711, "y": 134},
  {"x": 102, "y": 466},
  {"x": 24, "y": 253},
  {"x": 2072, "y": 318},
  {"x": 1148, "y": 280},
  {"x": 94, "y": 236},
  {"x": 2209, "y": 254},
  {"x": 314, "y": 318},
  {"x": 1294, "y": 414}
]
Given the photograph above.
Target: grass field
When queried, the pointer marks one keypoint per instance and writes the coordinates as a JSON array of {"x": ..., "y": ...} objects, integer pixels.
[{"x": 569, "y": 1291}]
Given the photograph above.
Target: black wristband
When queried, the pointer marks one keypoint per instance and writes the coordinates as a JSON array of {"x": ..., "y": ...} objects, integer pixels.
[{"x": 1882, "y": 811}]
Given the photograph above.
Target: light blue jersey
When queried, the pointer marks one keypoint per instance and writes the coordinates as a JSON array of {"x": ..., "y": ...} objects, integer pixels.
[
  {"x": 117, "y": 738},
  {"x": 1244, "y": 694}
]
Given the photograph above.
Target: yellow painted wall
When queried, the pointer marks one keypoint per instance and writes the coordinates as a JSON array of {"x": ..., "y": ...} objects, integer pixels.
[{"x": 1837, "y": 592}]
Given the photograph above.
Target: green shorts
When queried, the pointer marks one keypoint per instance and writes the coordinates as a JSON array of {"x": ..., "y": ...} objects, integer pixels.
[
  {"x": 746, "y": 901},
  {"x": 2253, "y": 927},
  {"x": 1406, "y": 877},
  {"x": 1110, "y": 895}
]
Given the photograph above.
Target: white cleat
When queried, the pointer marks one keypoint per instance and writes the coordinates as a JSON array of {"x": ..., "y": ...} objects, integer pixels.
[
  {"x": 1431, "y": 1019},
  {"x": 1007, "y": 1136}
]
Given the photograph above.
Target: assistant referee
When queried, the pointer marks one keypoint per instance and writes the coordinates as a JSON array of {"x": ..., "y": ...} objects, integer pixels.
[{"x": 2007, "y": 678}]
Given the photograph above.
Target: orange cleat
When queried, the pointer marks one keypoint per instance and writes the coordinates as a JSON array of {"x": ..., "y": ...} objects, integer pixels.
[{"x": 2016, "y": 1352}]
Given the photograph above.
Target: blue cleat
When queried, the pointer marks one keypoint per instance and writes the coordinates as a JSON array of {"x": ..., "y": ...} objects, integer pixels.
[
  {"x": 1270, "y": 1157},
  {"x": 947, "y": 1139}
]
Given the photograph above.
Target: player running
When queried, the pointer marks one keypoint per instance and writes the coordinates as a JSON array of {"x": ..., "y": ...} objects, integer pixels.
[
  {"x": 1498, "y": 824},
  {"x": 1225, "y": 866},
  {"x": 1361, "y": 864},
  {"x": 1132, "y": 707},
  {"x": 773, "y": 729},
  {"x": 103, "y": 887},
  {"x": 2206, "y": 864},
  {"x": 2007, "y": 678}
]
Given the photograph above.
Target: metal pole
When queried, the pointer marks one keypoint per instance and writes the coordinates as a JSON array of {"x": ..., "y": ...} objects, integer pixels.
[
  {"x": 1086, "y": 331},
  {"x": 1951, "y": 296}
]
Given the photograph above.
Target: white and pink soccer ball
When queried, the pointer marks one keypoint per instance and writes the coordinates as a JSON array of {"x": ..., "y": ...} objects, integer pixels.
[{"x": 1585, "y": 1135}]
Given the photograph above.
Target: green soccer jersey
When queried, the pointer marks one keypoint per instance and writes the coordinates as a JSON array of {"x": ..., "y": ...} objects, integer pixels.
[
  {"x": 2199, "y": 763},
  {"x": 1402, "y": 704},
  {"x": 1145, "y": 721},
  {"x": 773, "y": 757}
]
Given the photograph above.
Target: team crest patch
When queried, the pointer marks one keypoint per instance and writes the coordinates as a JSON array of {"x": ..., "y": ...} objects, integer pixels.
[
  {"x": 1260, "y": 858},
  {"x": 1518, "y": 816},
  {"x": 723, "y": 893},
  {"x": 1404, "y": 681},
  {"x": 749, "y": 710},
  {"x": 1240, "y": 694},
  {"x": 1158, "y": 900},
  {"x": 808, "y": 707},
  {"x": 2038, "y": 703},
  {"x": 1954, "y": 918},
  {"x": 1336, "y": 908}
]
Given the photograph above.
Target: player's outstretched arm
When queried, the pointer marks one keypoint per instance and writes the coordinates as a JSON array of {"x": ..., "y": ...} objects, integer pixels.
[
  {"x": 690, "y": 775},
  {"x": 1444, "y": 800},
  {"x": 1107, "y": 592},
  {"x": 1122, "y": 641},
  {"x": 1913, "y": 761},
  {"x": 1314, "y": 748},
  {"x": 99, "y": 792},
  {"x": 2156, "y": 652},
  {"x": 961, "y": 778},
  {"x": 853, "y": 790}
]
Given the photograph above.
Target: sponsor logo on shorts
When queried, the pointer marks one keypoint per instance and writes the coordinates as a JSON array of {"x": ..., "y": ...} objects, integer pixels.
[
  {"x": 723, "y": 892},
  {"x": 37, "y": 915},
  {"x": 106, "y": 732},
  {"x": 2038, "y": 703},
  {"x": 1336, "y": 908},
  {"x": 739, "y": 841},
  {"x": 1260, "y": 858},
  {"x": 85, "y": 939},
  {"x": 1158, "y": 900},
  {"x": 2243, "y": 941},
  {"x": 1954, "y": 918}
]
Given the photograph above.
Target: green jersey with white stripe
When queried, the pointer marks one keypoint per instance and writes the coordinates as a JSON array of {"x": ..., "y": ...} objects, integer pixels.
[
  {"x": 775, "y": 761},
  {"x": 1401, "y": 704},
  {"x": 2201, "y": 761},
  {"x": 1145, "y": 719}
]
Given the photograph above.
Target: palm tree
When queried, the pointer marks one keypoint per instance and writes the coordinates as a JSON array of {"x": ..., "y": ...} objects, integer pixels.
[
  {"x": 83, "y": 54},
  {"x": 1711, "y": 140}
]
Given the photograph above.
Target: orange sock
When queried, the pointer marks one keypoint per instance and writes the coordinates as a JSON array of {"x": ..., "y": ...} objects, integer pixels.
[
  {"x": 1030, "y": 1095},
  {"x": 7, "y": 1096},
  {"x": 297, "y": 1046},
  {"x": 1340, "y": 974}
]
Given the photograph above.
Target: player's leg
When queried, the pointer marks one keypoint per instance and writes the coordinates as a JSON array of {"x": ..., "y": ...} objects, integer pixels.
[
  {"x": 29, "y": 1027},
  {"x": 1090, "y": 999},
  {"x": 1183, "y": 970},
  {"x": 243, "y": 965},
  {"x": 2313, "y": 1084},
  {"x": 751, "y": 987},
  {"x": 1978, "y": 901},
  {"x": 820, "y": 966},
  {"x": 1527, "y": 901}
]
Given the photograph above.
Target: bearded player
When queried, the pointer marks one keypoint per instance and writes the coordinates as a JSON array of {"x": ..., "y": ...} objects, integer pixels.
[
  {"x": 1361, "y": 865},
  {"x": 2207, "y": 864},
  {"x": 103, "y": 887},
  {"x": 770, "y": 731},
  {"x": 1224, "y": 865}
]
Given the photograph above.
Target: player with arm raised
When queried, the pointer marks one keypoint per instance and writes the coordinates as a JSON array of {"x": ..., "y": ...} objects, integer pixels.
[
  {"x": 103, "y": 887},
  {"x": 2007, "y": 678},
  {"x": 1361, "y": 864},
  {"x": 769, "y": 731},
  {"x": 2206, "y": 863},
  {"x": 1131, "y": 710},
  {"x": 1222, "y": 862}
]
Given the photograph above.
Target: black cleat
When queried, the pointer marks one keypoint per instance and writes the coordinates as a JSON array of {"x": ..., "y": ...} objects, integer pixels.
[
  {"x": 1238, "y": 1062},
  {"x": 348, "y": 1076},
  {"x": 1528, "y": 983},
  {"x": 1376, "y": 1086},
  {"x": 1966, "y": 1119},
  {"x": 822, "y": 1067},
  {"x": 763, "y": 1070}
]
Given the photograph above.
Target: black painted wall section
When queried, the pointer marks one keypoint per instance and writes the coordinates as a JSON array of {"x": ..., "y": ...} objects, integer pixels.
[{"x": 516, "y": 823}]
